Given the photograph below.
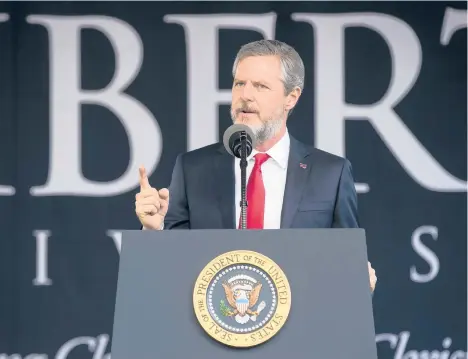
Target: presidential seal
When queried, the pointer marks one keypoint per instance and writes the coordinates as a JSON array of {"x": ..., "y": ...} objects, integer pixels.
[{"x": 242, "y": 298}]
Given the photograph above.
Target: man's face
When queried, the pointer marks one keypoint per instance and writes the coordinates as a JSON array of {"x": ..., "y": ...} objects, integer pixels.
[{"x": 258, "y": 96}]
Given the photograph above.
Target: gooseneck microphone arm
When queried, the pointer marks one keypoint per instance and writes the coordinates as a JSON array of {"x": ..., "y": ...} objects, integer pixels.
[
  {"x": 243, "y": 168},
  {"x": 239, "y": 141}
]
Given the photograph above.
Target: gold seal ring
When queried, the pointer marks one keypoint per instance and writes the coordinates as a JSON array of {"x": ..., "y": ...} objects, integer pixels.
[{"x": 242, "y": 298}]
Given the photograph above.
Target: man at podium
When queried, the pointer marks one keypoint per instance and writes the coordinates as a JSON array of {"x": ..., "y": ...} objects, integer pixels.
[{"x": 288, "y": 184}]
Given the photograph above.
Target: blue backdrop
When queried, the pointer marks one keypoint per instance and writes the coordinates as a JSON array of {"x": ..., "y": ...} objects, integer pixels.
[{"x": 89, "y": 91}]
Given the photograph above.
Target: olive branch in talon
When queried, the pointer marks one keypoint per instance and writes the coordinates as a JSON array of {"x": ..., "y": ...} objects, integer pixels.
[{"x": 224, "y": 309}]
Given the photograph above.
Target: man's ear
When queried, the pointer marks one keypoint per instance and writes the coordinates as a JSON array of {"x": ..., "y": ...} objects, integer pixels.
[{"x": 292, "y": 98}]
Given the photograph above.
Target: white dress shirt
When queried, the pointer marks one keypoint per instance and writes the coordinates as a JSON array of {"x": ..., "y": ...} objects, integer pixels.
[{"x": 274, "y": 178}]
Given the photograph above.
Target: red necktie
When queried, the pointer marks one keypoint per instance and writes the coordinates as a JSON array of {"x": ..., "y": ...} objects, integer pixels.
[{"x": 256, "y": 194}]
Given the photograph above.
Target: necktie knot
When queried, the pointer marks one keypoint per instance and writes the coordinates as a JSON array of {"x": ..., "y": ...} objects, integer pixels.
[{"x": 260, "y": 159}]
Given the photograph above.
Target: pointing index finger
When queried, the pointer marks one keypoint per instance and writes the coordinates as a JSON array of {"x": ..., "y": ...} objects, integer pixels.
[{"x": 144, "y": 183}]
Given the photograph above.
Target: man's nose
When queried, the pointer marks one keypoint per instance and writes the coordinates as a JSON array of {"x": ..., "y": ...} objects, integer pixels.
[{"x": 248, "y": 92}]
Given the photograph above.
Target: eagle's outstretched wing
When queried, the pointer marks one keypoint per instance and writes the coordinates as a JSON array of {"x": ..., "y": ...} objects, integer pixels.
[
  {"x": 254, "y": 294},
  {"x": 229, "y": 295}
]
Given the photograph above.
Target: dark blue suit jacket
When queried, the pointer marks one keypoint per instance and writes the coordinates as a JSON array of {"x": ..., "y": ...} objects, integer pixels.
[{"x": 321, "y": 195}]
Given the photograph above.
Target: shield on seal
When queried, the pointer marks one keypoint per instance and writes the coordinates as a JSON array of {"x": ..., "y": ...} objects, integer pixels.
[{"x": 242, "y": 304}]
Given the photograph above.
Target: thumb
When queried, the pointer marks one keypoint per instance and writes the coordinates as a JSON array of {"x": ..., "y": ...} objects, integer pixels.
[{"x": 144, "y": 183}]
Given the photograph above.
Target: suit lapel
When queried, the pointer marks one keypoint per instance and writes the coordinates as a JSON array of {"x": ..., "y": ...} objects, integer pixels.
[
  {"x": 223, "y": 186},
  {"x": 296, "y": 178}
]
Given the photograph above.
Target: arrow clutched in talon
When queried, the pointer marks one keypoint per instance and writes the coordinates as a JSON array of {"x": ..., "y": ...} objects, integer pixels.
[{"x": 260, "y": 307}]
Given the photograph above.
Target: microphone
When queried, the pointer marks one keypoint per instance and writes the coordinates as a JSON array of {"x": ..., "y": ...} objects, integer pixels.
[
  {"x": 239, "y": 141},
  {"x": 235, "y": 136}
]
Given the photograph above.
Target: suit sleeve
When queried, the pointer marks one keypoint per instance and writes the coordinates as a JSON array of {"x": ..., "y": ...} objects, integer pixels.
[
  {"x": 177, "y": 216},
  {"x": 346, "y": 208},
  {"x": 346, "y": 211}
]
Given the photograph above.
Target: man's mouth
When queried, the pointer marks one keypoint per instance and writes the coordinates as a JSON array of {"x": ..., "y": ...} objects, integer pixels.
[{"x": 247, "y": 111}]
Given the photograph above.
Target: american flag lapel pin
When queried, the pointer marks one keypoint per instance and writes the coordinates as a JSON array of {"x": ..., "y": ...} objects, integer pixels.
[{"x": 302, "y": 165}]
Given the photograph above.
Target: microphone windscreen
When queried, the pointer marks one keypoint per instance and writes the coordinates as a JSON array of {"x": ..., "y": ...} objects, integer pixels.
[{"x": 236, "y": 129}]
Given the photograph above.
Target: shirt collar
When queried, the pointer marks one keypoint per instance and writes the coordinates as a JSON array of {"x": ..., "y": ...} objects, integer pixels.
[{"x": 279, "y": 152}]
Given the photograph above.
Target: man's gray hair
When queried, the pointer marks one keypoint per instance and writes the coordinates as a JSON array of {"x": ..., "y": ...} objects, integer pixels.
[{"x": 291, "y": 63}]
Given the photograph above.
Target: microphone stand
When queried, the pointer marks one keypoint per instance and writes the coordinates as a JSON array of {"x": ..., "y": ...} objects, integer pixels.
[{"x": 243, "y": 167}]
